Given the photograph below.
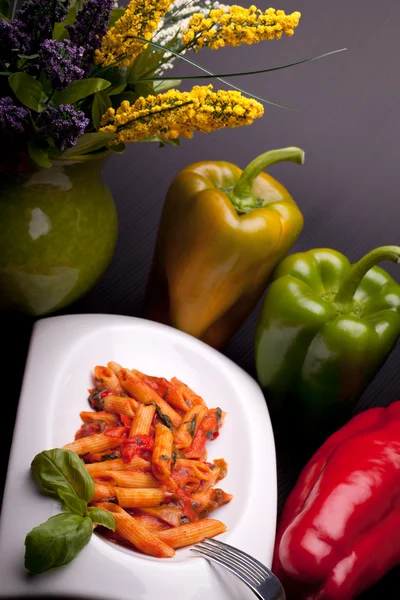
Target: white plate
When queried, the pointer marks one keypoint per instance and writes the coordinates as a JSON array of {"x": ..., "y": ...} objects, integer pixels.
[{"x": 62, "y": 354}]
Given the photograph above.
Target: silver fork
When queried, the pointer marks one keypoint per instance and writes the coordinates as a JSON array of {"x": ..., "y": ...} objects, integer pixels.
[{"x": 254, "y": 574}]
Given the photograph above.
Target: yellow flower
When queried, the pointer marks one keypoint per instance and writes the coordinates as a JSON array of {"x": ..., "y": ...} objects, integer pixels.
[
  {"x": 140, "y": 19},
  {"x": 175, "y": 113},
  {"x": 234, "y": 25}
]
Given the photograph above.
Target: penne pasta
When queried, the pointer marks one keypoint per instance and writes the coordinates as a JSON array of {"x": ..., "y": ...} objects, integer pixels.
[
  {"x": 161, "y": 459},
  {"x": 136, "y": 534},
  {"x": 94, "y": 457},
  {"x": 138, "y": 498},
  {"x": 120, "y": 405},
  {"x": 166, "y": 389},
  {"x": 189, "y": 395},
  {"x": 144, "y": 444},
  {"x": 150, "y": 523},
  {"x": 169, "y": 514},
  {"x": 102, "y": 491},
  {"x": 208, "y": 430},
  {"x": 105, "y": 376},
  {"x": 96, "y": 443},
  {"x": 140, "y": 391},
  {"x": 210, "y": 500},
  {"x": 117, "y": 464},
  {"x": 143, "y": 420},
  {"x": 191, "y": 533},
  {"x": 189, "y": 425},
  {"x": 102, "y": 415},
  {"x": 130, "y": 479}
]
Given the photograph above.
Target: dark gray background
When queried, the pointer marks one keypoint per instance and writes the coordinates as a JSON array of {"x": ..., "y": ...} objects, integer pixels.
[{"x": 346, "y": 120}]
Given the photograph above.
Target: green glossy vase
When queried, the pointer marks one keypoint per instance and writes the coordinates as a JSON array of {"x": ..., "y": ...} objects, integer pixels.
[{"x": 58, "y": 231}]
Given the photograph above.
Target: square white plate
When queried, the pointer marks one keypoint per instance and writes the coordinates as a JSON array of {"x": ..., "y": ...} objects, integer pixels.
[{"x": 62, "y": 354}]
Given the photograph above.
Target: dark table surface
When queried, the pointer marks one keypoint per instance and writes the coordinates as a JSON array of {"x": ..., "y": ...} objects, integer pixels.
[{"x": 346, "y": 120}]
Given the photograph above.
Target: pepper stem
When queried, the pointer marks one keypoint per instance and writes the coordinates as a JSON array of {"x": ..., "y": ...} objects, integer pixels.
[
  {"x": 357, "y": 271},
  {"x": 242, "y": 196}
]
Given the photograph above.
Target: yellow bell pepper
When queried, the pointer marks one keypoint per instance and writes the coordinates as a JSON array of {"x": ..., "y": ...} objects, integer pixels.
[{"x": 221, "y": 234}]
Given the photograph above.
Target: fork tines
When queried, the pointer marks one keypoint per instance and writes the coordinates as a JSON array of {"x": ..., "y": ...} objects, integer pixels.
[{"x": 234, "y": 559}]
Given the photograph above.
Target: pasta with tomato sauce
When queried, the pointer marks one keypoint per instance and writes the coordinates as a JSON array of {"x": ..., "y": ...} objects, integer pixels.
[{"x": 144, "y": 443}]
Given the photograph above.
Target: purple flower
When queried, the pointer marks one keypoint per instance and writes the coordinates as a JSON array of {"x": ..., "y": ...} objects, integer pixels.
[
  {"x": 64, "y": 125},
  {"x": 60, "y": 62},
  {"x": 39, "y": 17},
  {"x": 14, "y": 119},
  {"x": 33, "y": 23},
  {"x": 90, "y": 26},
  {"x": 13, "y": 40}
]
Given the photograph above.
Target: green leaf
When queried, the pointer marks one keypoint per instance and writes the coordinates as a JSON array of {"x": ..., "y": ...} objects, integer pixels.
[
  {"x": 39, "y": 155},
  {"x": 28, "y": 56},
  {"x": 89, "y": 142},
  {"x": 59, "y": 31},
  {"x": 101, "y": 517},
  {"x": 28, "y": 90},
  {"x": 101, "y": 102},
  {"x": 143, "y": 89},
  {"x": 72, "y": 503},
  {"x": 79, "y": 90},
  {"x": 116, "y": 14},
  {"x": 57, "y": 472},
  {"x": 163, "y": 142},
  {"x": 118, "y": 148},
  {"x": 117, "y": 90},
  {"x": 56, "y": 542},
  {"x": 166, "y": 84},
  {"x": 5, "y": 8},
  {"x": 145, "y": 63}
]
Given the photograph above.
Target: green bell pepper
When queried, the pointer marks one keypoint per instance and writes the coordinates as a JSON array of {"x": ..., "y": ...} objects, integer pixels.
[{"x": 325, "y": 329}]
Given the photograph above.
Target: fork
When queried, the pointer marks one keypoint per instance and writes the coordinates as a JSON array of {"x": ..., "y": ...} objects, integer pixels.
[{"x": 254, "y": 574}]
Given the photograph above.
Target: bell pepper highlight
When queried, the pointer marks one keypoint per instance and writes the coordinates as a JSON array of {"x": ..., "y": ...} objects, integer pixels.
[{"x": 222, "y": 232}]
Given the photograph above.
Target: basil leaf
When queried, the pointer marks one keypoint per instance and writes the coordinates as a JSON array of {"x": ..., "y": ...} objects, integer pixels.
[
  {"x": 78, "y": 90},
  {"x": 56, "y": 542},
  {"x": 28, "y": 90},
  {"x": 164, "y": 418},
  {"x": 72, "y": 503},
  {"x": 39, "y": 155},
  {"x": 101, "y": 517},
  {"x": 58, "y": 470},
  {"x": 192, "y": 426},
  {"x": 101, "y": 102},
  {"x": 88, "y": 142}
]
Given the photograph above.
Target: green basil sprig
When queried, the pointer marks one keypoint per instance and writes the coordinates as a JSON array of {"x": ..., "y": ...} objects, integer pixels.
[{"x": 62, "y": 475}]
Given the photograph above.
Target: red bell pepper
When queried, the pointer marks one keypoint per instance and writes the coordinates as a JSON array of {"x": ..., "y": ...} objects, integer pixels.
[{"x": 339, "y": 532}]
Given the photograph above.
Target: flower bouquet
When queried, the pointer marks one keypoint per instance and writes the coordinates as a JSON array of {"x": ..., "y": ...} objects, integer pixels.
[
  {"x": 80, "y": 77},
  {"x": 78, "y": 80}
]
